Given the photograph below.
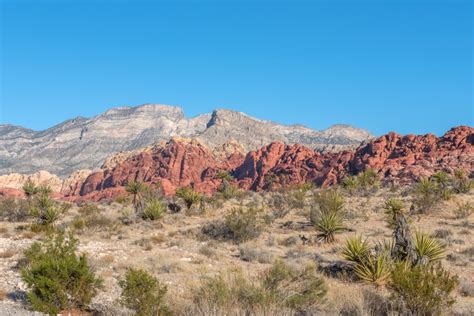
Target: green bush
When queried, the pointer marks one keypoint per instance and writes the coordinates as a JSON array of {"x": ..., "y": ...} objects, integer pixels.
[
  {"x": 423, "y": 289},
  {"x": 426, "y": 194},
  {"x": 243, "y": 223},
  {"x": 137, "y": 189},
  {"x": 462, "y": 183},
  {"x": 143, "y": 293},
  {"x": 58, "y": 278},
  {"x": 189, "y": 196}
]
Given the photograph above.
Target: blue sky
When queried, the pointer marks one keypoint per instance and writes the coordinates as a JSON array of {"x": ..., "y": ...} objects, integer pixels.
[{"x": 402, "y": 66}]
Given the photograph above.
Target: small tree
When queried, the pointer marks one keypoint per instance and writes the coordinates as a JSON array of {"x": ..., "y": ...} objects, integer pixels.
[
  {"x": 58, "y": 278},
  {"x": 143, "y": 293}
]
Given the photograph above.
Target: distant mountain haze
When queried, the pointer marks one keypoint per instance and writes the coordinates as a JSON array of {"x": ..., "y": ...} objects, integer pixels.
[{"x": 84, "y": 143}]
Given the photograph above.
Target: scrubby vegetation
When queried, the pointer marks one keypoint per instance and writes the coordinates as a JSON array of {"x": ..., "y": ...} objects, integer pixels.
[
  {"x": 143, "y": 293},
  {"x": 280, "y": 288},
  {"x": 58, "y": 278},
  {"x": 300, "y": 250}
]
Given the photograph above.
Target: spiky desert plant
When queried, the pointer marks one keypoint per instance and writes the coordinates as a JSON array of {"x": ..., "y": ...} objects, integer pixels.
[
  {"x": 154, "y": 209},
  {"x": 393, "y": 208},
  {"x": 189, "y": 196},
  {"x": 328, "y": 224},
  {"x": 368, "y": 178},
  {"x": 441, "y": 178},
  {"x": 462, "y": 183},
  {"x": 371, "y": 265},
  {"x": 428, "y": 249},
  {"x": 224, "y": 176},
  {"x": 44, "y": 189},
  {"x": 375, "y": 269},
  {"x": 427, "y": 194},
  {"x": 30, "y": 189},
  {"x": 350, "y": 183},
  {"x": 136, "y": 189},
  {"x": 356, "y": 249}
]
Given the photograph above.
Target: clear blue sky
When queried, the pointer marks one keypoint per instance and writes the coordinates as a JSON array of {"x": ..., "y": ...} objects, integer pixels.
[{"x": 405, "y": 66}]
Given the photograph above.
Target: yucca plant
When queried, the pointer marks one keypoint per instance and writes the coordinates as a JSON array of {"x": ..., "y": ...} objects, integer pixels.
[
  {"x": 356, "y": 249},
  {"x": 393, "y": 207},
  {"x": 328, "y": 224},
  {"x": 136, "y": 189},
  {"x": 189, "y": 196},
  {"x": 30, "y": 189},
  {"x": 368, "y": 178},
  {"x": 375, "y": 269},
  {"x": 350, "y": 183},
  {"x": 154, "y": 209},
  {"x": 428, "y": 249},
  {"x": 441, "y": 178}
]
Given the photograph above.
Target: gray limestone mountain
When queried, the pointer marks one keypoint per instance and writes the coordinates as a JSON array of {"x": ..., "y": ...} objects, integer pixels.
[{"x": 84, "y": 143}]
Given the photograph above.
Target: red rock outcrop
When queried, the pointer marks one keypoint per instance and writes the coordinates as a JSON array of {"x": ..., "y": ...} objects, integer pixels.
[
  {"x": 181, "y": 162},
  {"x": 408, "y": 158}
]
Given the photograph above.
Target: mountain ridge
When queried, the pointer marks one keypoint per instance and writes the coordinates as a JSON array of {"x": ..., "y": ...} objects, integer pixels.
[{"x": 84, "y": 143}]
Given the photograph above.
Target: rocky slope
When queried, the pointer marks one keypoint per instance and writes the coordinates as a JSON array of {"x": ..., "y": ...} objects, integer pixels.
[
  {"x": 189, "y": 163},
  {"x": 83, "y": 143}
]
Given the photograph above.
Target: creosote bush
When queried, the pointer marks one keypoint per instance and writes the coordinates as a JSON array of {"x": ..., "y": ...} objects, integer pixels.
[
  {"x": 423, "y": 289},
  {"x": 279, "y": 289},
  {"x": 57, "y": 277},
  {"x": 244, "y": 223},
  {"x": 143, "y": 293}
]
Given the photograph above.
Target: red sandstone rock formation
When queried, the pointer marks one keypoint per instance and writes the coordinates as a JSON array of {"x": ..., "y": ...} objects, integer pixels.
[{"x": 183, "y": 162}]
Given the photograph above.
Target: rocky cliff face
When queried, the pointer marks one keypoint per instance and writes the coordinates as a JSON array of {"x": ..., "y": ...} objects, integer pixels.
[
  {"x": 182, "y": 162},
  {"x": 83, "y": 143}
]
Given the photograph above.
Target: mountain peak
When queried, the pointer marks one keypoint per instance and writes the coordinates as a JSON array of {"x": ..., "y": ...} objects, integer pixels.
[{"x": 84, "y": 143}]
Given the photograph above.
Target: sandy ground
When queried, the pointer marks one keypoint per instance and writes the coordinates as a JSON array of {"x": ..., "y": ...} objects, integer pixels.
[{"x": 175, "y": 250}]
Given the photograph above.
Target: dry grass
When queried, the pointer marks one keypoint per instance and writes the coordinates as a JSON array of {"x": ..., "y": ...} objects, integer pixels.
[{"x": 181, "y": 256}]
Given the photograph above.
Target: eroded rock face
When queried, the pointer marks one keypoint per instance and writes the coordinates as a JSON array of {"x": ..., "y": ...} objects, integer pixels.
[
  {"x": 187, "y": 162},
  {"x": 407, "y": 158},
  {"x": 16, "y": 180},
  {"x": 181, "y": 162}
]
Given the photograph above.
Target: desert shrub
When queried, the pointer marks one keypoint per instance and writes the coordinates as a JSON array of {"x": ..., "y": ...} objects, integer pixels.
[
  {"x": 252, "y": 254},
  {"x": 423, "y": 289},
  {"x": 189, "y": 196},
  {"x": 328, "y": 216},
  {"x": 58, "y": 278},
  {"x": 14, "y": 210},
  {"x": 143, "y": 293},
  {"x": 88, "y": 209},
  {"x": 461, "y": 182},
  {"x": 426, "y": 195},
  {"x": 154, "y": 209},
  {"x": 362, "y": 182},
  {"x": 93, "y": 222},
  {"x": 280, "y": 288},
  {"x": 463, "y": 210},
  {"x": 244, "y": 223},
  {"x": 371, "y": 264},
  {"x": 441, "y": 178}
]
